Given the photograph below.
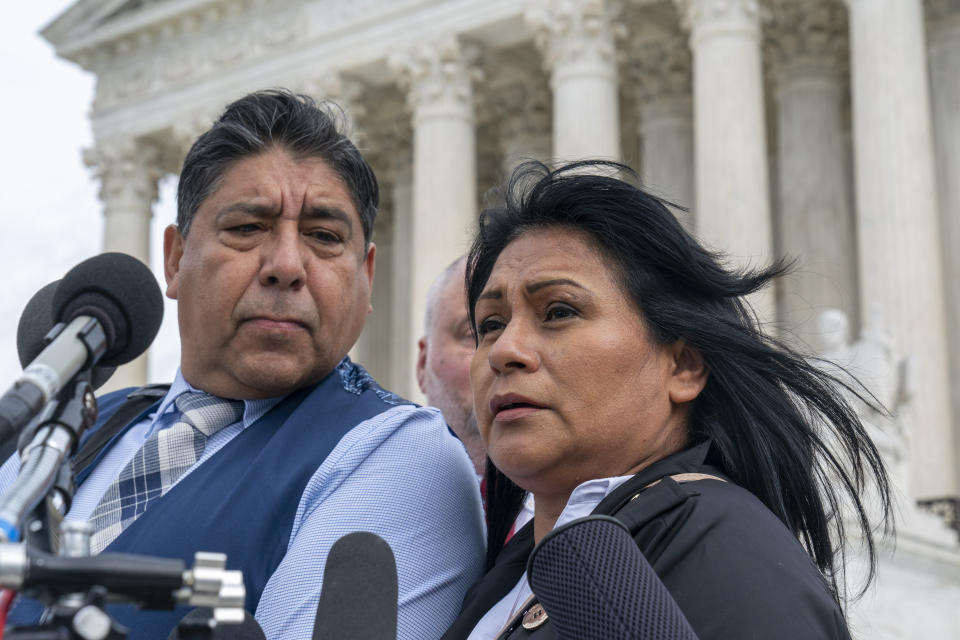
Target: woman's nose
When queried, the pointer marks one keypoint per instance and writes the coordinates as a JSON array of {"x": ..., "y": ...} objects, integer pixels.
[{"x": 514, "y": 349}]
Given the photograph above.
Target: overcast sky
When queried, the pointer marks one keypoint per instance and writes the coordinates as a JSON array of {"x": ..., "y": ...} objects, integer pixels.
[{"x": 48, "y": 201}]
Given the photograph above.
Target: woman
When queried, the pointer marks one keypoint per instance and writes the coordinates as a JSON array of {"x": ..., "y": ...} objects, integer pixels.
[{"x": 616, "y": 357}]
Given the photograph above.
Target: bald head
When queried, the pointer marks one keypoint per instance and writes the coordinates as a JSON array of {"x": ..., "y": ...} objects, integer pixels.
[{"x": 446, "y": 349}]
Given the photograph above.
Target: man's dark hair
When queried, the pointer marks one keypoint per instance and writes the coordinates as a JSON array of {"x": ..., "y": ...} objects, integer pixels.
[
  {"x": 780, "y": 425},
  {"x": 275, "y": 119}
]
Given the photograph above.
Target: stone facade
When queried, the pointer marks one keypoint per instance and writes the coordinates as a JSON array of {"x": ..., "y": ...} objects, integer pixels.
[{"x": 825, "y": 130}]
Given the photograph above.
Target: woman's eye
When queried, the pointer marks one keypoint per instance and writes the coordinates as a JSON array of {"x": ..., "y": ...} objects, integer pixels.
[
  {"x": 560, "y": 312},
  {"x": 489, "y": 324}
]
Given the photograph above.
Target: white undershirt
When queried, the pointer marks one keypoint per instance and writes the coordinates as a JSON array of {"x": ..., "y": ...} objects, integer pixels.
[{"x": 582, "y": 502}]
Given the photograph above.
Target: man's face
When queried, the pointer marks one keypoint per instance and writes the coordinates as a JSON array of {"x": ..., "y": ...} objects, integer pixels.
[
  {"x": 273, "y": 279},
  {"x": 443, "y": 366}
]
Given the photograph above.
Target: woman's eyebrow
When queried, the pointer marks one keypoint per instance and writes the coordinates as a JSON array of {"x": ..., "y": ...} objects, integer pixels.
[
  {"x": 533, "y": 287},
  {"x": 536, "y": 286},
  {"x": 494, "y": 294}
]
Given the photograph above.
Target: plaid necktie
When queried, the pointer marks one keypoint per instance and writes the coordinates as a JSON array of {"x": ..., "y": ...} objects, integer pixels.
[{"x": 160, "y": 462}]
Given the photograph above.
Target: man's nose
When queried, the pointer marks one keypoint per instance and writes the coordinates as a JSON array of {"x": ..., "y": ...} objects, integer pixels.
[{"x": 283, "y": 259}]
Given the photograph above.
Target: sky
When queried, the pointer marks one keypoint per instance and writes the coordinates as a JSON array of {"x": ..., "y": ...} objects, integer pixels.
[{"x": 49, "y": 209}]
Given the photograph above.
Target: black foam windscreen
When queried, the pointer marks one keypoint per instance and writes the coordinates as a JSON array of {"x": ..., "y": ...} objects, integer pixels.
[
  {"x": 35, "y": 322},
  {"x": 594, "y": 583},
  {"x": 200, "y": 625},
  {"x": 120, "y": 292},
  {"x": 359, "y": 595}
]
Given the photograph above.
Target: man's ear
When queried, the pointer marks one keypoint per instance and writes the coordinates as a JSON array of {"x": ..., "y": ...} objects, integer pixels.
[
  {"x": 421, "y": 361},
  {"x": 689, "y": 375},
  {"x": 172, "y": 252},
  {"x": 369, "y": 269}
]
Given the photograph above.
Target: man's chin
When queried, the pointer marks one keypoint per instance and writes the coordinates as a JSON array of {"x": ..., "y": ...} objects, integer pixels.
[{"x": 269, "y": 376}]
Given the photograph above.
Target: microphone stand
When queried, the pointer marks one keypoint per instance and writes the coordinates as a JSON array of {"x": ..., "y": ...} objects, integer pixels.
[{"x": 53, "y": 562}]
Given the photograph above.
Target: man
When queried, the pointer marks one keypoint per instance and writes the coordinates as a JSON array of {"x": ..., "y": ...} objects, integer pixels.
[
  {"x": 290, "y": 445},
  {"x": 443, "y": 362}
]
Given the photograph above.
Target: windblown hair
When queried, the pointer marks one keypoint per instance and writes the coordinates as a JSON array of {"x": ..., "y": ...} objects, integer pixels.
[
  {"x": 271, "y": 119},
  {"x": 780, "y": 425}
]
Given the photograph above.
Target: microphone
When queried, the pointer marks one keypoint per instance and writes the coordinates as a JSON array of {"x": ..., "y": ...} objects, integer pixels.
[
  {"x": 358, "y": 599},
  {"x": 112, "y": 308},
  {"x": 36, "y": 321},
  {"x": 594, "y": 583},
  {"x": 200, "y": 624}
]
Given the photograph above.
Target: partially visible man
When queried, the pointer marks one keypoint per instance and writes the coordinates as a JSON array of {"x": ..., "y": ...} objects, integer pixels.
[
  {"x": 270, "y": 444},
  {"x": 445, "y": 352}
]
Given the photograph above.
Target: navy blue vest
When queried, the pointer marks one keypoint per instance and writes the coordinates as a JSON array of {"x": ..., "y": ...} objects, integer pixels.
[{"x": 242, "y": 500}]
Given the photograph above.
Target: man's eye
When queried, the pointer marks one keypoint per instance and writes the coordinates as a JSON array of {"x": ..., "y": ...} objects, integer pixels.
[
  {"x": 489, "y": 324},
  {"x": 322, "y": 235},
  {"x": 244, "y": 228}
]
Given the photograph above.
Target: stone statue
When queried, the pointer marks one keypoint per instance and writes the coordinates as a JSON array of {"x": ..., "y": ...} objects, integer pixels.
[{"x": 870, "y": 366}]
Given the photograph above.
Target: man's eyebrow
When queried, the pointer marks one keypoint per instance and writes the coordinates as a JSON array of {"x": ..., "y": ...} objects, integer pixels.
[
  {"x": 328, "y": 213},
  {"x": 258, "y": 210}
]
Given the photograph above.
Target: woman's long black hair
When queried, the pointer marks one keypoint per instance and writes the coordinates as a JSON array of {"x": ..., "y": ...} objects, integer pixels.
[{"x": 781, "y": 426}]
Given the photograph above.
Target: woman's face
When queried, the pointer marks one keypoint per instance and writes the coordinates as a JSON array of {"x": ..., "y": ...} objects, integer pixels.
[{"x": 567, "y": 384}]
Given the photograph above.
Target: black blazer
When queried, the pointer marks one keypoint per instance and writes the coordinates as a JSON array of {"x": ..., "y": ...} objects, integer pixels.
[{"x": 734, "y": 569}]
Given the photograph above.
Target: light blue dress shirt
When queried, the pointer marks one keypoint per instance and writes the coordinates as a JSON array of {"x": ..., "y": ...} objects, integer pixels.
[{"x": 400, "y": 475}]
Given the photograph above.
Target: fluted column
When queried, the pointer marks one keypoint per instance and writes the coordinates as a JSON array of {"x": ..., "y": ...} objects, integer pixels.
[
  {"x": 129, "y": 172},
  {"x": 524, "y": 117},
  {"x": 943, "y": 30},
  {"x": 897, "y": 217},
  {"x": 806, "y": 42},
  {"x": 576, "y": 38},
  {"x": 372, "y": 349},
  {"x": 661, "y": 76},
  {"x": 405, "y": 323},
  {"x": 439, "y": 79},
  {"x": 732, "y": 180}
]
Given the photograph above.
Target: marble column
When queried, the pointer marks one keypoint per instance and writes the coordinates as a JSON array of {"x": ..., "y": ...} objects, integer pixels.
[
  {"x": 576, "y": 38},
  {"x": 901, "y": 273},
  {"x": 372, "y": 349},
  {"x": 661, "y": 77},
  {"x": 732, "y": 179},
  {"x": 439, "y": 80},
  {"x": 943, "y": 30},
  {"x": 129, "y": 172},
  {"x": 806, "y": 42},
  {"x": 403, "y": 354}
]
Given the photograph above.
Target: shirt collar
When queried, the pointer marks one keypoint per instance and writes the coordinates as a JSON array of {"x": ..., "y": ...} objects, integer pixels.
[{"x": 253, "y": 410}]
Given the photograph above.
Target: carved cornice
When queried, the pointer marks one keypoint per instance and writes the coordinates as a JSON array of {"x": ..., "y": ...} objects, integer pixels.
[
  {"x": 128, "y": 170},
  {"x": 808, "y": 33},
  {"x": 660, "y": 69},
  {"x": 575, "y": 30},
  {"x": 440, "y": 73},
  {"x": 210, "y": 39}
]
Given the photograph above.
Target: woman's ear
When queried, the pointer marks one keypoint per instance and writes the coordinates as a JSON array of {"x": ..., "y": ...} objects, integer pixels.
[{"x": 689, "y": 375}]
